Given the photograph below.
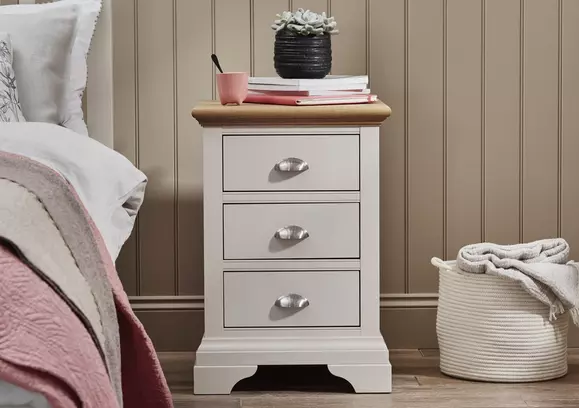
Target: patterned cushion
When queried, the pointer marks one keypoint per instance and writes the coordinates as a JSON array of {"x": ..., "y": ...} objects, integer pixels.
[{"x": 10, "y": 110}]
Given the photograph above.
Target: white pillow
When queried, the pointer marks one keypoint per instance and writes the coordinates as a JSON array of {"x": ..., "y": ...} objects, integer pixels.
[
  {"x": 110, "y": 187},
  {"x": 89, "y": 11},
  {"x": 10, "y": 110},
  {"x": 88, "y": 14},
  {"x": 42, "y": 38}
]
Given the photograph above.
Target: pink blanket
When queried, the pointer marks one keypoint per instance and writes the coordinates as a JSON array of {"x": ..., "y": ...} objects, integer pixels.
[{"x": 46, "y": 348}]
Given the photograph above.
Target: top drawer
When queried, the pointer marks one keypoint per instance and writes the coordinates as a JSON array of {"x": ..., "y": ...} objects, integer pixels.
[{"x": 260, "y": 163}]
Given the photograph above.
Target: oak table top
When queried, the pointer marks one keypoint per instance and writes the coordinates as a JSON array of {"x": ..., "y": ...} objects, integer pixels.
[{"x": 212, "y": 113}]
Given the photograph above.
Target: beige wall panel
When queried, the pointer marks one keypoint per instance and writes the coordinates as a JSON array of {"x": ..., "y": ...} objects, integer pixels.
[
  {"x": 156, "y": 98},
  {"x": 540, "y": 119},
  {"x": 126, "y": 140},
  {"x": 125, "y": 79},
  {"x": 573, "y": 339},
  {"x": 422, "y": 72},
  {"x": 194, "y": 83},
  {"x": 570, "y": 127},
  {"x": 409, "y": 328},
  {"x": 232, "y": 34},
  {"x": 173, "y": 330},
  {"x": 349, "y": 46},
  {"x": 463, "y": 124},
  {"x": 8, "y": 2},
  {"x": 314, "y": 5},
  {"x": 502, "y": 121},
  {"x": 387, "y": 80},
  {"x": 425, "y": 142},
  {"x": 264, "y": 14},
  {"x": 570, "y": 134}
]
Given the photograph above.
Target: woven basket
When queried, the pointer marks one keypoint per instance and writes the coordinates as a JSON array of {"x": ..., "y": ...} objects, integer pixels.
[{"x": 490, "y": 329}]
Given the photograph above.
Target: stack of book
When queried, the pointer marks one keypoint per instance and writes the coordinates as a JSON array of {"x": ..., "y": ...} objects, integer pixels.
[{"x": 331, "y": 90}]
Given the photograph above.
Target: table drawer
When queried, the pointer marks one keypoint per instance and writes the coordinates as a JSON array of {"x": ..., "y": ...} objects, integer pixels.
[
  {"x": 320, "y": 162},
  {"x": 292, "y": 299},
  {"x": 291, "y": 231}
]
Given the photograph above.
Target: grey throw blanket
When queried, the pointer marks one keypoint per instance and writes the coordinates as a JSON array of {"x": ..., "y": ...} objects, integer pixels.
[
  {"x": 540, "y": 267},
  {"x": 46, "y": 224}
]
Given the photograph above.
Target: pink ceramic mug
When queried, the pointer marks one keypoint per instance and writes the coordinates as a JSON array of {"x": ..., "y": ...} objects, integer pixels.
[{"x": 232, "y": 87}]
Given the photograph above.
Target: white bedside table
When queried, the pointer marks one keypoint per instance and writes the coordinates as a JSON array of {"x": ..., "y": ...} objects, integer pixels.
[{"x": 291, "y": 233}]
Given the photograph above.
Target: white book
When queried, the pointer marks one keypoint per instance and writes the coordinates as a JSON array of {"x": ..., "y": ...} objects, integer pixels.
[
  {"x": 307, "y": 87},
  {"x": 330, "y": 82}
]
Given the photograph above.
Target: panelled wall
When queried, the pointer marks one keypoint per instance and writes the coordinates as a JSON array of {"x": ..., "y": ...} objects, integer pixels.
[{"x": 482, "y": 144}]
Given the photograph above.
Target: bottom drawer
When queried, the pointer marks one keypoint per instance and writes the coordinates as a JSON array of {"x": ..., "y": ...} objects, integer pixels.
[{"x": 321, "y": 299}]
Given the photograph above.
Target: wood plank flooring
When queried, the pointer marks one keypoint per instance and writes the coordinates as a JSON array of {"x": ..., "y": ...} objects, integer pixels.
[{"x": 417, "y": 383}]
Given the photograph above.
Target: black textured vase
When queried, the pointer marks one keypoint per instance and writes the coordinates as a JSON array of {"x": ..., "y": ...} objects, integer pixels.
[{"x": 302, "y": 56}]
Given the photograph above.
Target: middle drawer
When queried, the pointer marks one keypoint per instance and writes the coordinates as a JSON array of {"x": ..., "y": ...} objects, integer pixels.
[{"x": 291, "y": 231}]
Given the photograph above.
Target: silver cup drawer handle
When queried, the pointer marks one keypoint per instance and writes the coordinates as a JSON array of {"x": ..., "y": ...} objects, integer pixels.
[
  {"x": 292, "y": 301},
  {"x": 291, "y": 233},
  {"x": 291, "y": 165}
]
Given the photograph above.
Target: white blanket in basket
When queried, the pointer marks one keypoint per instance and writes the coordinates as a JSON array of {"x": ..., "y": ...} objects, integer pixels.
[{"x": 540, "y": 267}]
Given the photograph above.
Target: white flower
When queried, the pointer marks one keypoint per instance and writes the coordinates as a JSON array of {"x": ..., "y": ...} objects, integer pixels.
[
  {"x": 305, "y": 22},
  {"x": 309, "y": 18}
]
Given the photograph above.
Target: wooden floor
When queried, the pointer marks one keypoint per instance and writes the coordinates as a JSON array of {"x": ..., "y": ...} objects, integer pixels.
[{"x": 417, "y": 384}]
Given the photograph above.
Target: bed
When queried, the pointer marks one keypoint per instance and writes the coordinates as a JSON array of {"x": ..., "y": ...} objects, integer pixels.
[{"x": 68, "y": 203}]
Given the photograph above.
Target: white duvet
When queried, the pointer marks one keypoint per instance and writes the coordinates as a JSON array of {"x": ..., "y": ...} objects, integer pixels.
[
  {"x": 108, "y": 184},
  {"x": 110, "y": 187},
  {"x": 12, "y": 396}
]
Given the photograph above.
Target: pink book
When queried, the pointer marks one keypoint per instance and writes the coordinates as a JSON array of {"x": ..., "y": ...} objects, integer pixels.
[
  {"x": 314, "y": 92},
  {"x": 309, "y": 100}
]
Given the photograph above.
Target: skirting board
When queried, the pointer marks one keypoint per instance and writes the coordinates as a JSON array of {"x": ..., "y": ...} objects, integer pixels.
[{"x": 408, "y": 321}]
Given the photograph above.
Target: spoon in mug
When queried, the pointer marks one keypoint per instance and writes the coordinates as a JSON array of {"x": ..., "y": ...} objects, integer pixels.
[{"x": 216, "y": 62}]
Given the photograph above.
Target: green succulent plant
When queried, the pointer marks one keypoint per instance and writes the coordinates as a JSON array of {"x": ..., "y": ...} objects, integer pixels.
[{"x": 305, "y": 22}]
